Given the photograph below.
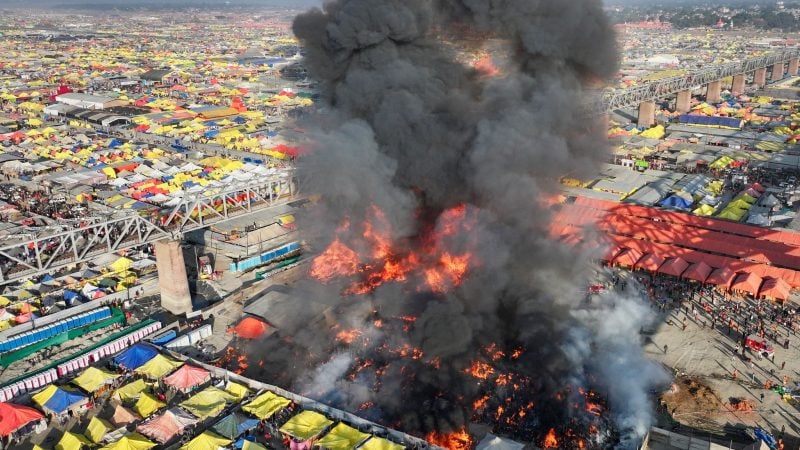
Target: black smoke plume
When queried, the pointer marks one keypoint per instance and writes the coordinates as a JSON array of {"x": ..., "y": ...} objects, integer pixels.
[{"x": 410, "y": 129}]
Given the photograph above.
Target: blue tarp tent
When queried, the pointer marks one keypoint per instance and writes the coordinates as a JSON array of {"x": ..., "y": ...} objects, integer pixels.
[
  {"x": 712, "y": 121},
  {"x": 135, "y": 356},
  {"x": 234, "y": 425},
  {"x": 675, "y": 201},
  {"x": 164, "y": 338},
  {"x": 62, "y": 400},
  {"x": 766, "y": 437}
]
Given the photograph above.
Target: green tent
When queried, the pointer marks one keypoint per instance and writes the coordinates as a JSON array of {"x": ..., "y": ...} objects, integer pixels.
[
  {"x": 342, "y": 437},
  {"x": 266, "y": 404},
  {"x": 306, "y": 425}
]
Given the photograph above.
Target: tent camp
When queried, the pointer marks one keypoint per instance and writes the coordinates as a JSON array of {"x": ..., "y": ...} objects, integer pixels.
[
  {"x": 208, "y": 403},
  {"x": 266, "y": 405},
  {"x": 13, "y": 417},
  {"x": 136, "y": 356},
  {"x": 306, "y": 425},
  {"x": 72, "y": 441},
  {"x": 97, "y": 429},
  {"x": 93, "y": 379},
  {"x": 187, "y": 377},
  {"x": 234, "y": 425},
  {"x": 158, "y": 367},
  {"x": 167, "y": 425},
  {"x": 133, "y": 441},
  {"x": 342, "y": 437},
  {"x": 58, "y": 401},
  {"x": 206, "y": 441}
]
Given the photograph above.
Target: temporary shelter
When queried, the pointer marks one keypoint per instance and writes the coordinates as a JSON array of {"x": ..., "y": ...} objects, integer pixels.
[
  {"x": 674, "y": 266},
  {"x": 208, "y": 403},
  {"x": 206, "y": 441},
  {"x": 628, "y": 257},
  {"x": 56, "y": 400},
  {"x": 158, "y": 367},
  {"x": 93, "y": 379},
  {"x": 492, "y": 442},
  {"x": 774, "y": 289},
  {"x": 746, "y": 282},
  {"x": 97, "y": 429},
  {"x": 167, "y": 425},
  {"x": 721, "y": 277},
  {"x": 650, "y": 262},
  {"x": 237, "y": 390},
  {"x": 13, "y": 417},
  {"x": 306, "y": 425},
  {"x": 135, "y": 356},
  {"x": 266, "y": 404},
  {"x": 123, "y": 416},
  {"x": 130, "y": 391},
  {"x": 147, "y": 405},
  {"x": 72, "y": 441},
  {"x": 376, "y": 443},
  {"x": 187, "y": 377},
  {"x": 249, "y": 328},
  {"x": 133, "y": 441},
  {"x": 234, "y": 425},
  {"x": 698, "y": 272},
  {"x": 342, "y": 437}
]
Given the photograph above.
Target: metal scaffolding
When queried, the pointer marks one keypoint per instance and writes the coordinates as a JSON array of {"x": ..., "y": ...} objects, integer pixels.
[{"x": 75, "y": 244}]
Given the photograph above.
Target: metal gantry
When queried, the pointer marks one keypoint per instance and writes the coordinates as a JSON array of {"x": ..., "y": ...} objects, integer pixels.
[
  {"x": 634, "y": 95},
  {"x": 75, "y": 244}
]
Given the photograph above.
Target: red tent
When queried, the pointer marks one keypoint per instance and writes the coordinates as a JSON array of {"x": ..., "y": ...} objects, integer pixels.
[
  {"x": 674, "y": 266},
  {"x": 13, "y": 417},
  {"x": 611, "y": 253},
  {"x": 650, "y": 262},
  {"x": 775, "y": 288},
  {"x": 628, "y": 257},
  {"x": 746, "y": 282},
  {"x": 250, "y": 328},
  {"x": 721, "y": 277},
  {"x": 698, "y": 272},
  {"x": 187, "y": 377}
]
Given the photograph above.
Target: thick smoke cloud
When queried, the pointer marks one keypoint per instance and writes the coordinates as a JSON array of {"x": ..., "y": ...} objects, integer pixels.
[{"x": 411, "y": 130}]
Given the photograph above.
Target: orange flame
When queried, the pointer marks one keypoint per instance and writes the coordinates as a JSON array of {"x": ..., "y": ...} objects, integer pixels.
[
  {"x": 457, "y": 440},
  {"x": 550, "y": 440},
  {"x": 337, "y": 260},
  {"x": 480, "y": 403},
  {"x": 480, "y": 370},
  {"x": 348, "y": 336}
]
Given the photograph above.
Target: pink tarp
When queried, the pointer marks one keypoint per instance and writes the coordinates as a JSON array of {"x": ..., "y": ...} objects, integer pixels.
[
  {"x": 166, "y": 426},
  {"x": 187, "y": 377}
]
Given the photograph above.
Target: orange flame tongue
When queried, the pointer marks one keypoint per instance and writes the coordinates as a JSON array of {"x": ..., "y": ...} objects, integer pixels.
[
  {"x": 336, "y": 261},
  {"x": 457, "y": 440},
  {"x": 550, "y": 440}
]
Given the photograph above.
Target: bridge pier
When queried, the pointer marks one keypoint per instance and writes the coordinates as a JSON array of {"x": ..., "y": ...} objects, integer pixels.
[
  {"x": 737, "y": 87},
  {"x": 172, "y": 279},
  {"x": 647, "y": 114},
  {"x": 793, "y": 63},
  {"x": 683, "y": 103},
  {"x": 760, "y": 78},
  {"x": 713, "y": 91},
  {"x": 777, "y": 72}
]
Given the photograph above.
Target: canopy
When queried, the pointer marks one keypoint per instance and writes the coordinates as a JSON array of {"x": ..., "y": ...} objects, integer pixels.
[
  {"x": 342, "y": 437},
  {"x": 746, "y": 282},
  {"x": 97, "y": 429},
  {"x": 167, "y": 425},
  {"x": 131, "y": 391},
  {"x": 133, "y": 441},
  {"x": 492, "y": 442},
  {"x": 147, "y": 405},
  {"x": 266, "y": 404},
  {"x": 237, "y": 390},
  {"x": 121, "y": 264},
  {"x": 234, "y": 424},
  {"x": 208, "y": 403},
  {"x": 122, "y": 416},
  {"x": 306, "y": 425},
  {"x": 250, "y": 445},
  {"x": 13, "y": 417},
  {"x": 57, "y": 400},
  {"x": 698, "y": 272},
  {"x": 72, "y": 441},
  {"x": 249, "y": 328},
  {"x": 674, "y": 266},
  {"x": 376, "y": 443},
  {"x": 628, "y": 257},
  {"x": 775, "y": 288},
  {"x": 187, "y": 377},
  {"x": 206, "y": 441},
  {"x": 158, "y": 367},
  {"x": 650, "y": 262},
  {"x": 135, "y": 356},
  {"x": 92, "y": 379},
  {"x": 721, "y": 277}
]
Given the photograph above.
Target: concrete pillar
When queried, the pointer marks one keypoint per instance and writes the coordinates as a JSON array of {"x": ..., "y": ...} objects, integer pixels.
[
  {"x": 793, "y": 63},
  {"x": 760, "y": 78},
  {"x": 713, "y": 91},
  {"x": 172, "y": 279},
  {"x": 683, "y": 103},
  {"x": 647, "y": 114},
  {"x": 777, "y": 72},
  {"x": 737, "y": 87}
]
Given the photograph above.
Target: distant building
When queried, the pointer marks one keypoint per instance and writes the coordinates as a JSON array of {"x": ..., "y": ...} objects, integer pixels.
[
  {"x": 88, "y": 101},
  {"x": 159, "y": 77}
]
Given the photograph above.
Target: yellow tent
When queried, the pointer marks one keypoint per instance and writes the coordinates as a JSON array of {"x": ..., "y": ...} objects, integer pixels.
[
  {"x": 250, "y": 445},
  {"x": 72, "y": 441},
  {"x": 4, "y": 301},
  {"x": 121, "y": 264},
  {"x": 147, "y": 405},
  {"x": 377, "y": 443},
  {"x": 158, "y": 367},
  {"x": 208, "y": 403},
  {"x": 704, "y": 210},
  {"x": 206, "y": 441},
  {"x": 237, "y": 390},
  {"x": 97, "y": 429},
  {"x": 131, "y": 390},
  {"x": 133, "y": 441},
  {"x": 92, "y": 379},
  {"x": 266, "y": 404},
  {"x": 342, "y": 437},
  {"x": 306, "y": 425}
]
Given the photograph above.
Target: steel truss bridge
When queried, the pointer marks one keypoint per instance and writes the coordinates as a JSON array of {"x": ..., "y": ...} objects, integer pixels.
[
  {"x": 76, "y": 243},
  {"x": 655, "y": 90}
]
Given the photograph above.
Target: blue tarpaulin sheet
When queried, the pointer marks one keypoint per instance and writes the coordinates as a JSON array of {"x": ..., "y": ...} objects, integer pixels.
[
  {"x": 62, "y": 400},
  {"x": 135, "y": 356}
]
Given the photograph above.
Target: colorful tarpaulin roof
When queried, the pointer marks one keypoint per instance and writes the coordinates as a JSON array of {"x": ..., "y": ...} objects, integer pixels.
[
  {"x": 72, "y": 441},
  {"x": 306, "y": 425},
  {"x": 147, "y": 405},
  {"x": 158, "y": 367},
  {"x": 249, "y": 328},
  {"x": 187, "y": 377},
  {"x": 93, "y": 379},
  {"x": 250, "y": 445},
  {"x": 57, "y": 400},
  {"x": 167, "y": 425},
  {"x": 97, "y": 429},
  {"x": 208, "y": 403},
  {"x": 234, "y": 424},
  {"x": 133, "y": 441},
  {"x": 131, "y": 390},
  {"x": 206, "y": 441},
  {"x": 136, "y": 356},
  {"x": 237, "y": 390},
  {"x": 13, "y": 417},
  {"x": 266, "y": 404},
  {"x": 376, "y": 443},
  {"x": 342, "y": 437},
  {"x": 122, "y": 416}
]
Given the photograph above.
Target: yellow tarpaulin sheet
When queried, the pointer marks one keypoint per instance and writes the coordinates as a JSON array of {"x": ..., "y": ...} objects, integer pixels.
[
  {"x": 306, "y": 425},
  {"x": 250, "y": 445},
  {"x": 377, "y": 443},
  {"x": 131, "y": 390},
  {"x": 147, "y": 405},
  {"x": 72, "y": 441},
  {"x": 42, "y": 397},
  {"x": 133, "y": 441},
  {"x": 342, "y": 437},
  {"x": 206, "y": 441},
  {"x": 93, "y": 379},
  {"x": 96, "y": 429},
  {"x": 656, "y": 132},
  {"x": 704, "y": 210},
  {"x": 121, "y": 264},
  {"x": 158, "y": 367},
  {"x": 237, "y": 390},
  {"x": 208, "y": 403},
  {"x": 266, "y": 404}
]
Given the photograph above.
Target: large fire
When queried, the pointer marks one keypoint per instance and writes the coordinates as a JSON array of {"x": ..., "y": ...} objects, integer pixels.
[{"x": 457, "y": 440}]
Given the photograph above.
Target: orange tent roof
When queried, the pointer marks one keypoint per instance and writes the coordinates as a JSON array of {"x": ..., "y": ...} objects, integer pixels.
[
  {"x": 650, "y": 262},
  {"x": 747, "y": 282},
  {"x": 698, "y": 272},
  {"x": 775, "y": 288},
  {"x": 628, "y": 257},
  {"x": 674, "y": 266},
  {"x": 721, "y": 277},
  {"x": 249, "y": 328}
]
